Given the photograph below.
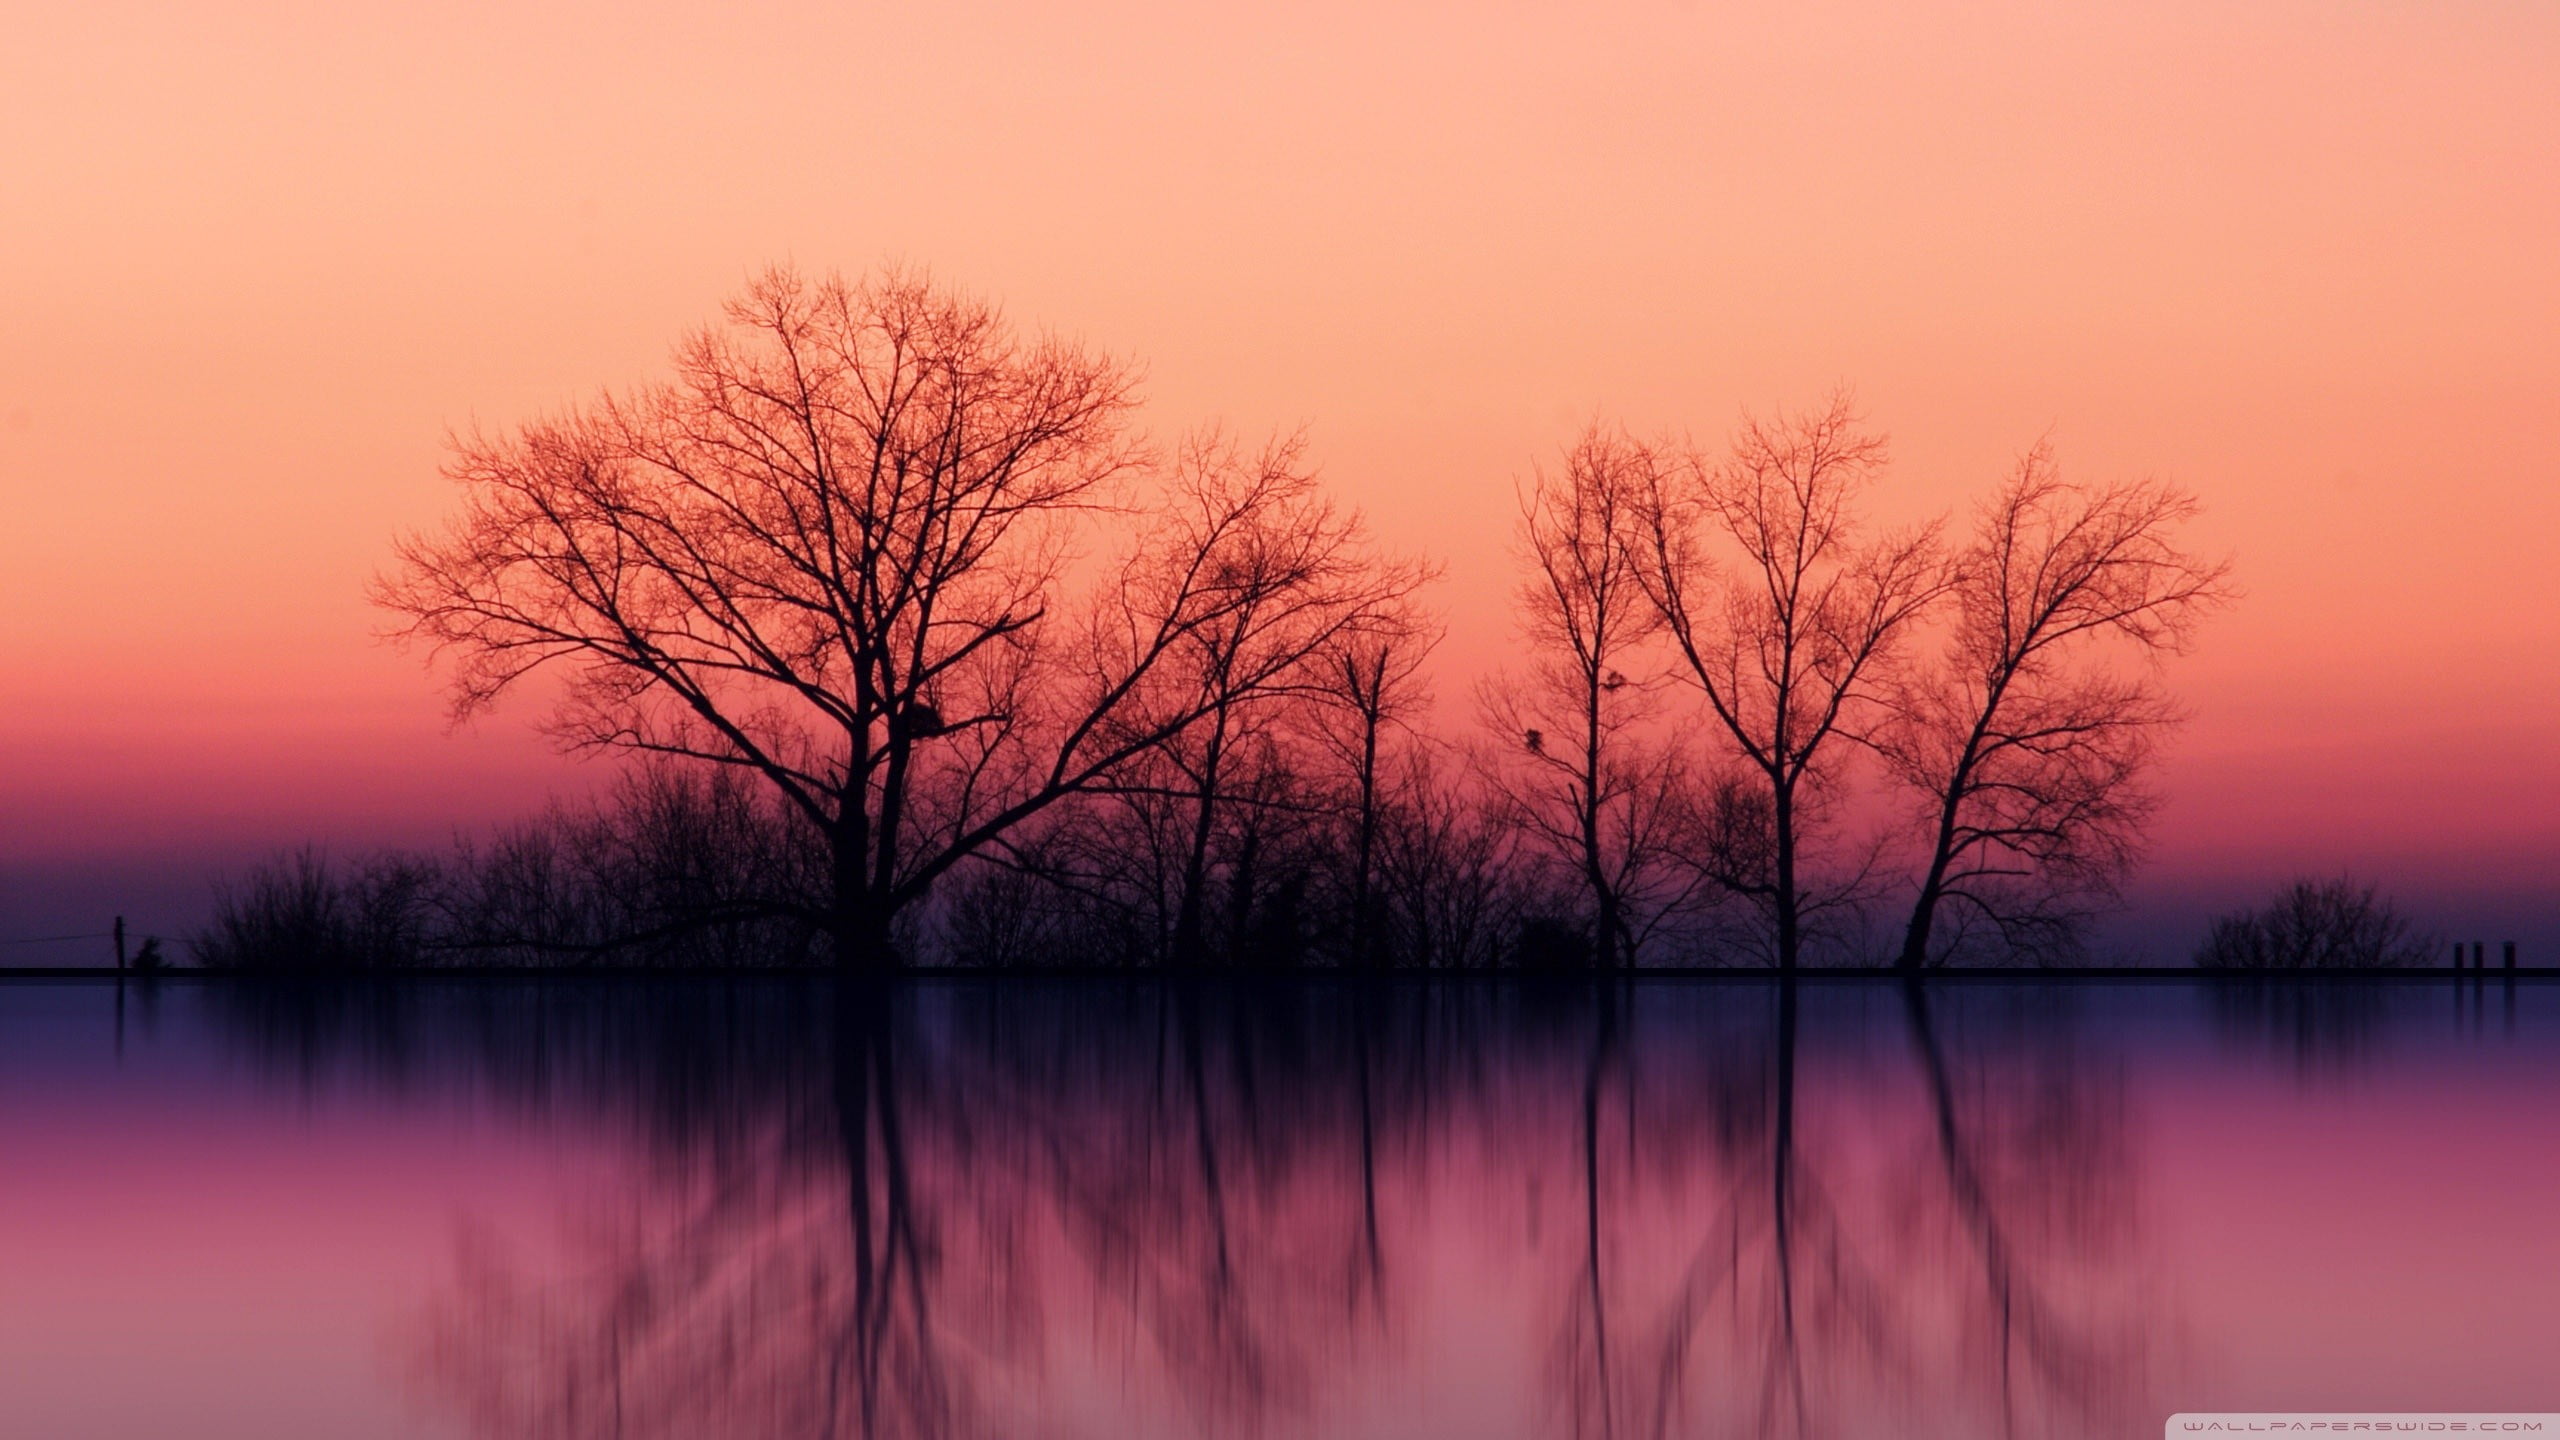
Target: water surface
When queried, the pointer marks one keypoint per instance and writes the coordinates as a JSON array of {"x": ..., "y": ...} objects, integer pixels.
[{"x": 780, "y": 1207}]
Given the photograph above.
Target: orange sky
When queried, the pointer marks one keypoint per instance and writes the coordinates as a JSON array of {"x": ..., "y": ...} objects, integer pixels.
[{"x": 254, "y": 259}]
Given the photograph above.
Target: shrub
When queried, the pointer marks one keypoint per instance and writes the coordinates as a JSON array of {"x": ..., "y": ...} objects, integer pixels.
[
  {"x": 300, "y": 912},
  {"x": 674, "y": 868},
  {"x": 2316, "y": 925}
]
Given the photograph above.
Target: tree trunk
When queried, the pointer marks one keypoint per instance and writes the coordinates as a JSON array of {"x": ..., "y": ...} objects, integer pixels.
[
  {"x": 860, "y": 935},
  {"x": 1933, "y": 888},
  {"x": 858, "y": 915},
  {"x": 1915, "y": 937},
  {"x": 1190, "y": 923},
  {"x": 1924, "y": 915},
  {"x": 1790, "y": 939},
  {"x": 1242, "y": 881},
  {"x": 1190, "y": 920},
  {"x": 1604, "y": 896},
  {"x": 1363, "y": 940}
]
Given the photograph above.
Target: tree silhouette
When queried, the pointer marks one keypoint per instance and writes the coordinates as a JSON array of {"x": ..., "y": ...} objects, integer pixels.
[
  {"x": 1787, "y": 621},
  {"x": 2335, "y": 924},
  {"x": 1567, "y": 744},
  {"x": 2027, "y": 755},
  {"x": 1369, "y": 686},
  {"x": 833, "y": 552}
]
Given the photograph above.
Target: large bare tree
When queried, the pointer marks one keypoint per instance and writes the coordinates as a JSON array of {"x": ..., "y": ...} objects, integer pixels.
[
  {"x": 2024, "y": 744},
  {"x": 834, "y": 552},
  {"x": 1787, "y": 619},
  {"x": 1573, "y": 749}
]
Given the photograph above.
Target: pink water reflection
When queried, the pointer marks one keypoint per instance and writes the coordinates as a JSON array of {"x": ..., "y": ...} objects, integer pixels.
[{"x": 556, "y": 1210}]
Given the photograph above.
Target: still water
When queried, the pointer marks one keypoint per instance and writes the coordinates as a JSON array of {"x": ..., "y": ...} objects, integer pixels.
[{"x": 778, "y": 1207}]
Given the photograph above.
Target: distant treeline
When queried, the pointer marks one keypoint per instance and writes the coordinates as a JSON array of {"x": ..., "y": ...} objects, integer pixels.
[
  {"x": 688, "y": 869},
  {"x": 929, "y": 655}
]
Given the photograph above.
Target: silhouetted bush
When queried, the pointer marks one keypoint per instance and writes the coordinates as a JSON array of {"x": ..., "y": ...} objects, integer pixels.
[
  {"x": 673, "y": 868},
  {"x": 1545, "y": 942},
  {"x": 678, "y": 867},
  {"x": 302, "y": 913},
  {"x": 2316, "y": 925}
]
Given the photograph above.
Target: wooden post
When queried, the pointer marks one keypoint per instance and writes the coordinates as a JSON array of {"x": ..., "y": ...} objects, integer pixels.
[
  {"x": 119, "y": 944},
  {"x": 2511, "y": 954},
  {"x": 2479, "y": 954}
]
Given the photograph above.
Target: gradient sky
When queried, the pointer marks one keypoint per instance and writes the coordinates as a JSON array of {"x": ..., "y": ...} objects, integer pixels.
[{"x": 255, "y": 259}]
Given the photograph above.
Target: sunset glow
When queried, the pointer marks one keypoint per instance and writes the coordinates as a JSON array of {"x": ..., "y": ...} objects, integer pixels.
[{"x": 257, "y": 261}]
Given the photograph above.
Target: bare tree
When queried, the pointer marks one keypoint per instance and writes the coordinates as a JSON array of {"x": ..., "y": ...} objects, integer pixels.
[
  {"x": 1450, "y": 895},
  {"x": 1569, "y": 748},
  {"x": 2026, "y": 750},
  {"x": 831, "y": 552},
  {"x": 1791, "y": 635},
  {"x": 1303, "y": 587},
  {"x": 1370, "y": 686}
]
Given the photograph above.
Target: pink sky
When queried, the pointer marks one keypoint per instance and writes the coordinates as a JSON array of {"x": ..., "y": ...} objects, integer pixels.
[{"x": 255, "y": 259}]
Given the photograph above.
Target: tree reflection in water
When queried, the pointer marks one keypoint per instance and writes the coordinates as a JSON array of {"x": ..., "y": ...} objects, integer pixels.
[
  {"x": 949, "y": 1209},
  {"x": 1937, "y": 1240},
  {"x": 2325, "y": 1025}
]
